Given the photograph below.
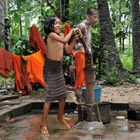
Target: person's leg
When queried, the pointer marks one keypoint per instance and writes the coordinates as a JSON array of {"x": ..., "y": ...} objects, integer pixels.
[
  {"x": 44, "y": 129},
  {"x": 61, "y": 117},
  {"x": 78, "y": 94}
]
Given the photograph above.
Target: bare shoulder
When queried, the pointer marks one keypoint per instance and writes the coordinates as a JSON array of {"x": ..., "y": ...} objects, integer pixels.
[
  {"x": 81, "y": 25},
  {"x": 53, "y": 35}
]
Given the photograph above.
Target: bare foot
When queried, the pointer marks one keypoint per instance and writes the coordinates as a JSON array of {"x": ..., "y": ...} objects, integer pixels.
[
  {"x": 44, "y": 131},
  {"x": 64, "y": 122}
]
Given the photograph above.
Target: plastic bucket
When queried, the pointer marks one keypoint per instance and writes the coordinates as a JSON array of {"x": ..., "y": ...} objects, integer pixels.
[{"x": 97, "y": 93}]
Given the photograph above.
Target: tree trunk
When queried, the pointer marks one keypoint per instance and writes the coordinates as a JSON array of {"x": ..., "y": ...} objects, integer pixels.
[
  {"x": 60, "y": 5},
  {"x": 136, "y": 35},
  {"x": 4, "y": 32},
  {"x": 120, "y": 42},
  {"x": 110, "y": 56},
  {"x": 2, "y": 15},
  {"x": 20, "y": 27},
  {"x": 64, "y": 10}
]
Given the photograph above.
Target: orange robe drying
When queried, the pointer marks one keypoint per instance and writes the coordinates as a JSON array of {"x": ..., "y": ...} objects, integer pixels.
[
  {"x": 67, "y": 28},
  {"x": 34, "y": 66},
  {"x": 36, "y": 40},
  {"x": 6, "y": 62},
  {"x": 21, "y": 76},
  {"x": 26, "y": 68}
]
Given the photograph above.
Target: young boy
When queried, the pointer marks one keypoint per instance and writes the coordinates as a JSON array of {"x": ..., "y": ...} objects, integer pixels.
[{"x": 53, "y": 73}]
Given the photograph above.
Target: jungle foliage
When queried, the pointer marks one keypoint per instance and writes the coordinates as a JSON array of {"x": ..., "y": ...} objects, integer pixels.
[{"x": 23, "y": 13}]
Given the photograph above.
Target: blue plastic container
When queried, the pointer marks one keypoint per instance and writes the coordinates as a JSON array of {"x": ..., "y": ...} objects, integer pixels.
[{"x": 97, "y": 93}]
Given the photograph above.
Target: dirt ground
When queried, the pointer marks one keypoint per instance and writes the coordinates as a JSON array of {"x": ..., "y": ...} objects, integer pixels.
[{"x": 125, "y": 93}]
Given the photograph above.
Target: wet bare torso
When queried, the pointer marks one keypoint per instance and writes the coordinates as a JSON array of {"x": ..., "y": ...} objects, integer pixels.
[
  {"x": 55, "y": 49},
  {"x": 87, "y": 34}
]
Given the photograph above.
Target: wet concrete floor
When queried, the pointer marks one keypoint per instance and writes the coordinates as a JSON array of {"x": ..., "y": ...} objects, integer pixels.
[{"x": 27, "y": 127}]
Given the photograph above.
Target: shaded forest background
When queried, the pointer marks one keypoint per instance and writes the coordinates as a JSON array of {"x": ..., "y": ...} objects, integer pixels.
[{"x": 116, "y": 37}]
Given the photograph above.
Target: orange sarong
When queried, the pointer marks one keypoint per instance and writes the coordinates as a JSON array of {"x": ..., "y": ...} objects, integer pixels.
[{"x": 79, "y": 60}]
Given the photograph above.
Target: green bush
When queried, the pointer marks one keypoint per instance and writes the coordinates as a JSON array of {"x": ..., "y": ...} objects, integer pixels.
[
  {"x": 21, "y": 46},
  {"x": 127, "y": 59},
  {"x": 7, "y": 81},
  {"x": 111, "y": 77},
  {"x": 130, "y": 78},
  {"x": 2, "y": 81}
]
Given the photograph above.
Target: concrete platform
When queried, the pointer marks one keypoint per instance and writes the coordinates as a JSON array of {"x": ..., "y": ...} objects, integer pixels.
[
  {"x": 19, "y": 106},
  {"x": 27, "y": 112}
]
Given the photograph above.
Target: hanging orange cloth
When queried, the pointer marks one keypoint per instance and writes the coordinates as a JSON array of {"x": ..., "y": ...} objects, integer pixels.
[
  {"x": 79, "y": 60},
  {"x": 21, "y": 76},
  {"x": 67, "y": 28},
  {"x": 36, "y": 40},
  {"x": 6, "y": 62},
  {"x": 35, "y": 65},
  {"x": 27, "y": 68}
]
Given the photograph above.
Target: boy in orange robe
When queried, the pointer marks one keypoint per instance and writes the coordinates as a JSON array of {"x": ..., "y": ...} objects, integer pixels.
[{"x": 86, "y": 29}]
